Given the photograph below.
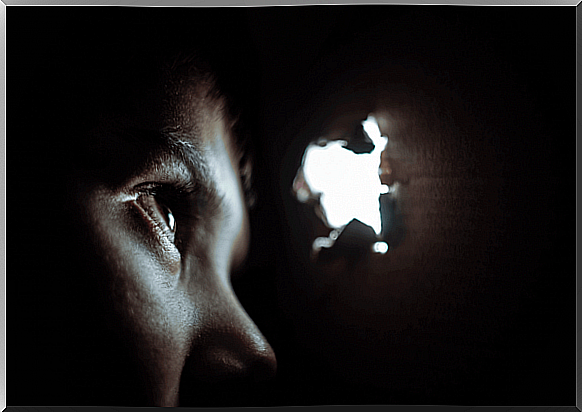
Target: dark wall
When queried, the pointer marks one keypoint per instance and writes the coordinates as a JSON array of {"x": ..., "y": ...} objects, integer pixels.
[{"x": 503, "y": 79}]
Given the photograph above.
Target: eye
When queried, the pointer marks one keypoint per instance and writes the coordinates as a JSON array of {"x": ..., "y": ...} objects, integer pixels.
[
  {"x": 158, "y": 211},
  {"x": 169, "y": 209}
]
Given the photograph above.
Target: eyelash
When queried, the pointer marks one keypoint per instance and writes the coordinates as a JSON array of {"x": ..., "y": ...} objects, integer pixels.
[{"x": 173, "y": 191}]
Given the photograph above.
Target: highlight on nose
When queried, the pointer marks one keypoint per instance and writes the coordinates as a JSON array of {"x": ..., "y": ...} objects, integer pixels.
[
  {"x": 231, "y": 347},
  {"x": 241, "y": 355},
  {"x": 226, "y": 376}
]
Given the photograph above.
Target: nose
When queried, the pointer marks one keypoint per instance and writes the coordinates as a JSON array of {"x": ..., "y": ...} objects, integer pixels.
[
  {"x": 229, "y": 356},
  {"x": 232, "y": 347}
]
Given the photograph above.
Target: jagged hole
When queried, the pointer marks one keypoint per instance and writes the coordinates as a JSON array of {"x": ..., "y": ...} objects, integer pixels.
[{"x": 346, "y": 183}]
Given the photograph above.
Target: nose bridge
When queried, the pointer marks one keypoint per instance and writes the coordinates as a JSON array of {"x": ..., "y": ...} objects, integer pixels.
[{"x": 228, "y": 346}]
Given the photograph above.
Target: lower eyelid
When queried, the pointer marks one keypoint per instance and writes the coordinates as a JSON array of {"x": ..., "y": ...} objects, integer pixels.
[{"x": 163, "y": 235}]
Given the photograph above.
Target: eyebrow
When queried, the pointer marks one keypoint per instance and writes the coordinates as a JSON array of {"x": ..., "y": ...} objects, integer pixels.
[
  {"x": 173, "y": 154},
  {"x": 190, "y": 153},
  {"x": 192, "y": 157}
]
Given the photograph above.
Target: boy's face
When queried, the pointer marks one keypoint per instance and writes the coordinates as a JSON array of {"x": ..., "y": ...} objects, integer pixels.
[{"x": 166, "y": 223}]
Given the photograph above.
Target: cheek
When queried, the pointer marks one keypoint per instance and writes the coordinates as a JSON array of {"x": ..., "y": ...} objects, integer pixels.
[
  {"x": 156, "y": 319},
  {"x": 162, "y": 249},
  {"x": 241, "y": 242}
]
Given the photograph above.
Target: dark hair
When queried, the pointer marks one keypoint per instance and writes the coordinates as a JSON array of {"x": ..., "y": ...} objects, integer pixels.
[{"x": 74, "y": 70}]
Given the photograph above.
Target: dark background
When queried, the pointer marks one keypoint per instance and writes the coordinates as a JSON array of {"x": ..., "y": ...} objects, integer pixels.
[
  {"x": 286, "y": 55},
  {"x": 495, "y": 58}
]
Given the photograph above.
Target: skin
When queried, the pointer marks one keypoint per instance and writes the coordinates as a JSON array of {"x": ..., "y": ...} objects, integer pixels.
[{"x": 167, "y": 295}]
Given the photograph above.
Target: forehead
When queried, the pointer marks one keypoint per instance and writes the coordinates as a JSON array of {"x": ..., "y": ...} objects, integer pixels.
[
  {"x": 164, "y": 96},
  {"x": 165, "y": 108},
  {"x": 156, "y": 115}
]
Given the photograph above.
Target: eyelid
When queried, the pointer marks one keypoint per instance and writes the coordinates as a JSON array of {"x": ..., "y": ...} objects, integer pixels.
[
  {"x": 176, "y": 177},
  {"x": 165, "y": 171},
  {"x": 156, "y": 188}
]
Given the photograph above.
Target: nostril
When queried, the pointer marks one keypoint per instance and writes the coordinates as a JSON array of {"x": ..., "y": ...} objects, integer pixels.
[
  {"x": 228, "y": 355},
  {"x": 221, "y": 364}
]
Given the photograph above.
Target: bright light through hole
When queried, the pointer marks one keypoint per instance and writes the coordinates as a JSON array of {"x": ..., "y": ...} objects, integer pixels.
[
  {"x": 349, "y": 183},
  {"x": 380, "y": 247}
]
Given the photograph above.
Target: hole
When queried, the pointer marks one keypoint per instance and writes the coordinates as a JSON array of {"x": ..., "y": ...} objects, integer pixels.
[{"x": 347, "y": 182}]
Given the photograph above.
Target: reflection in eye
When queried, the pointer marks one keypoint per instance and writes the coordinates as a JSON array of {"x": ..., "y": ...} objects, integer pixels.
[{"x": 171, "y": 221}]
